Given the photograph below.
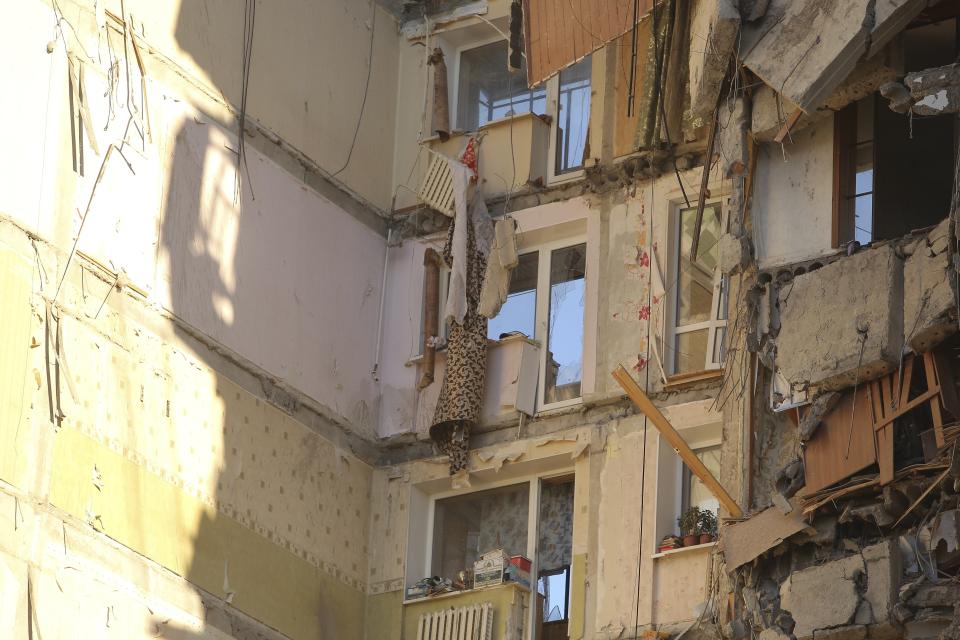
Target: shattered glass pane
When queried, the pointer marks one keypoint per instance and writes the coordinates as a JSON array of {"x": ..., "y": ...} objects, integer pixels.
[{"x": 518, "y": 313}]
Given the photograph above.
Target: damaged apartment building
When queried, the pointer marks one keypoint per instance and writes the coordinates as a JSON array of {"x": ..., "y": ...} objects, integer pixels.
[{"x": 479, "y": 320}]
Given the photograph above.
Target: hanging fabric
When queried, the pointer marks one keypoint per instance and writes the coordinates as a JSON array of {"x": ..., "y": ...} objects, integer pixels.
[
  {"x": 466, "y": 252},
  {"x": 440, "y": 114},
  {"x": 503, "y": 259}
]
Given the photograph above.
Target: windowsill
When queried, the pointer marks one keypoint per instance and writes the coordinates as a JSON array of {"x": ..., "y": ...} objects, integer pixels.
[
  {"x": 673, "y": 552},
  {"x": 692, "y": 377},
  {"x": 454, "y": 594},
  {"x": 417, "y": 359},
  {"x": 493, "y": 124}
]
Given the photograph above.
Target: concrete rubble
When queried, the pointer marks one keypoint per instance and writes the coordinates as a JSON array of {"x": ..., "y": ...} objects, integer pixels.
[
  {"x": 857, "y": 333},
  {"x": 822, "y": 41}
]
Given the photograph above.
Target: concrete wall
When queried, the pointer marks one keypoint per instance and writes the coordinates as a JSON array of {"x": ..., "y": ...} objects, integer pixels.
[
  {"x": 187, "y": 444},
  {"x": 793, "y": 197},
  {"x": 224, "y": 260}
]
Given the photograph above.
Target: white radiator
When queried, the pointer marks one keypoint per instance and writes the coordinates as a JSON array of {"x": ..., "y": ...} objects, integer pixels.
[
  {"x": 436, "y": 191},
  {"x": 474, "y": 622}
]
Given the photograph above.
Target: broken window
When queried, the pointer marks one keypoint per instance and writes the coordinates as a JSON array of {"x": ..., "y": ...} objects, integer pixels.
[
  {"x": 546, "y": 303},
  {"x": 572, "y": 116},
  {"x": 892, "y": 172},
  {"x": 554, "y": 548},
  {"x": 698, "y": 340},
  {"x": 564, "y": 366},
  {"x": 518, "y": 314},
  {"x": 488, "y": 91}
]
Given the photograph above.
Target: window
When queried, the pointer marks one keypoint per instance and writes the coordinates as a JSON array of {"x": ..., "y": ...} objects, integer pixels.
[
  {"x": 467, "y": 526},
  {"x": 546, "y": 303},
  {"x": 677, "y": 488},
  {"x": 572, "y": 116},
  {"x": 564, "y": 357},
  {"x": 489, "y": 91},
  {"x": 518, "y": 314},
  {"x": 894, "y": 173},
  {"x": 698, "y": 339},
  {"x": 554, "y": 548},
  {"x": 694, "y": 492}
]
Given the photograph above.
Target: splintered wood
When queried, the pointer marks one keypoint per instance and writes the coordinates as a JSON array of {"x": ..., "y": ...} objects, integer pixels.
[{"x": 858, "y": 433}]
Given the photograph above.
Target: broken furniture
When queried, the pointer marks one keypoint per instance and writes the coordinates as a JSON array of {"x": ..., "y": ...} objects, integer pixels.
[{"x": 859, "y": 430}]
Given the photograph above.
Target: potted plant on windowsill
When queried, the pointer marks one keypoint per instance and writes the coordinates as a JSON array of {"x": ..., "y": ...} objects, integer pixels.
[
  {"x": 689, "y": 523},
  {"x": 708, "y": 526}
]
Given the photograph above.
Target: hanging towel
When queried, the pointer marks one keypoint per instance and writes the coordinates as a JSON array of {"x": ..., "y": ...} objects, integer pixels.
[
  {"x": 467, "y": 212},
  {"x": 503, "y": 258}
]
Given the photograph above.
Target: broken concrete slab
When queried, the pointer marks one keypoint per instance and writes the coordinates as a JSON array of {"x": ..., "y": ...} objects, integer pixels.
[
  {"x": 935, "y": 595},
  {"x": 820, "y": 407},
  {"x": 771, "y": 110},
  {"x": 823, "y": 596},
  {"x": 735, "y": 252},
  {"x": 884, "y": 571},
  {"x": 732, "y": 138},
  {"x": 714, "y": 25},
  {"x": 929, "y": 294},
  {"x": 846, "y": 632},
  {"x": 806, "y": 48},
  {"x": 828, "y": 314},
  {"x": 935, "y": 91}
]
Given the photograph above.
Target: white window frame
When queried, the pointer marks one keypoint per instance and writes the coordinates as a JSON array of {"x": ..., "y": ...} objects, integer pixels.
[
  {"x": 533, "y": 482},
  {"x": 552, "y": 110},
  {"x": 714, "y": 322},
  {"x": 542, "y": 320},
  {"x": 700, "y": 428}
]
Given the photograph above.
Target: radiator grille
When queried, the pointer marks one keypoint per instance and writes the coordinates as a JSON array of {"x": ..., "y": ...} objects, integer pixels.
[
  {"x": 436, "y": 191},
  {"x": 474, "y": 622}
]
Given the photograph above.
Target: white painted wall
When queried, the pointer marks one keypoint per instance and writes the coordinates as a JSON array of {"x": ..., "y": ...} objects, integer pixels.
[
  {"x": 277, "y": 274},
  {"x": 793, "y": 197}
]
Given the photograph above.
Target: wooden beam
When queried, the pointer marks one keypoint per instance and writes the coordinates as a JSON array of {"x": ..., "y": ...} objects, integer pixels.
[
  {"x": 787, "y": 126},
  {"x": 682, "y": 448}
]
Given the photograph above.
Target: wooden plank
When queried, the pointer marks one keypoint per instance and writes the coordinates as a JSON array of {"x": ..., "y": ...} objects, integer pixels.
[
  {"x": 825, "y": 456},
  {"x": 743, "y": 541},
  {"x": 926, "y": 396},
  {"x": 683, "y": 449},
  {"x": 787, "y": 126},
  {"x": 949, "y": 399},
  {"x": 884, "y": 431},
  {"x": 932, "y": 382},
  {"x": 923, "y": 495},
  {"x": 561, "y": 32}
]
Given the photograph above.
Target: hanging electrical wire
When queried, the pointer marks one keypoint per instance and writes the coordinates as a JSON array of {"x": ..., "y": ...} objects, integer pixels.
[
  {"x": 249, "y": 22},
  {"x": 366, "y": 90}
]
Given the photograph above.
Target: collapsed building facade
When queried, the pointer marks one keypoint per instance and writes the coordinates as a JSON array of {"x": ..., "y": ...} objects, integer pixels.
[{"x": 247, "y": 389}]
